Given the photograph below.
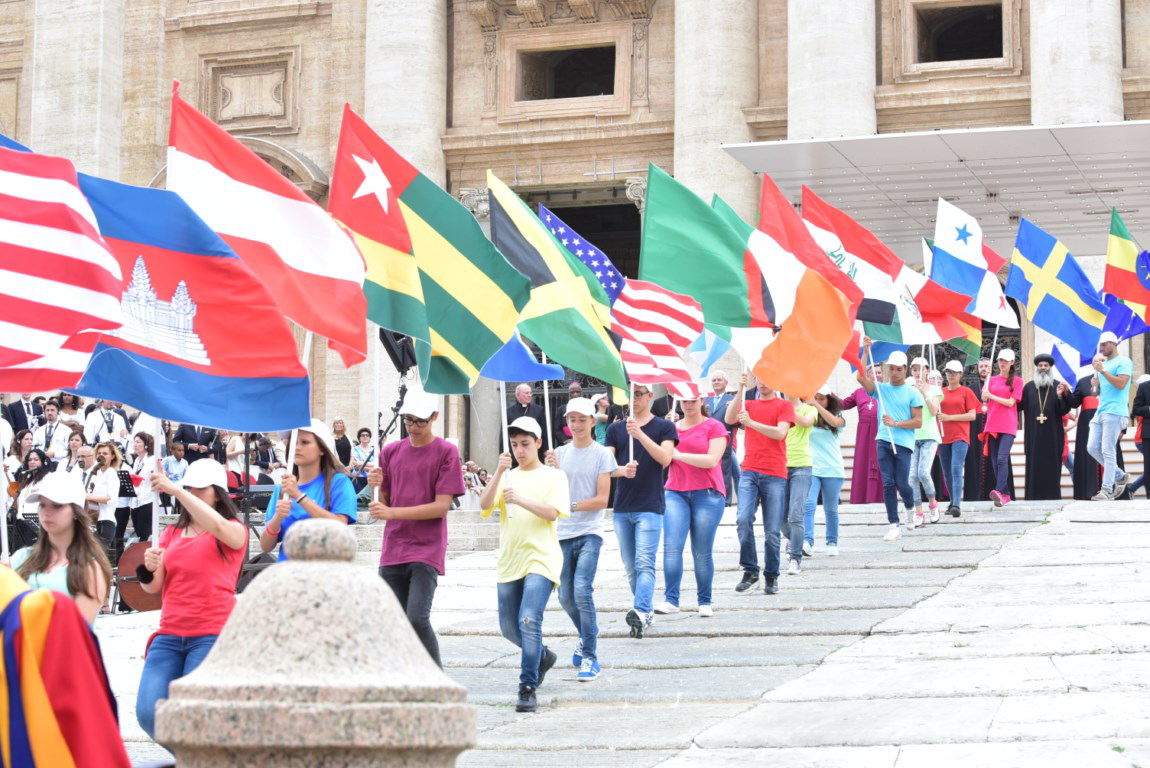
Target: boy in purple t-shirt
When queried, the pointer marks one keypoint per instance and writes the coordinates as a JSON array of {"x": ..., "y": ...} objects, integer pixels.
[{"x": 417, "y": 478}]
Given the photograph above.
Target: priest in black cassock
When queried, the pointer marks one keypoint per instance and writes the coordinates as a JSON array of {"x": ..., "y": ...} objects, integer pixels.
[{"x": 1044, "y": 402}]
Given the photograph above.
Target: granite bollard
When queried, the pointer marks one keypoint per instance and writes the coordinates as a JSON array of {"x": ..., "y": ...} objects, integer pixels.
[{"x": 317, "y": 666}]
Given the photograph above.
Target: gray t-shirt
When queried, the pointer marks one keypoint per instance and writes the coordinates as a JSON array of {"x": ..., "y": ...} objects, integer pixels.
[{"x": 583, "y": 467}]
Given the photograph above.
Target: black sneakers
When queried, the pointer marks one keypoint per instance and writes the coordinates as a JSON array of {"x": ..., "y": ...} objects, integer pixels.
[
  {"x": 954, "y": 511},
  {"x": 749, "y": 580},
  {"x": 772, "y": 586},
  {"x": 545, "y": 665},
  {"x": 526, "y": 701}
]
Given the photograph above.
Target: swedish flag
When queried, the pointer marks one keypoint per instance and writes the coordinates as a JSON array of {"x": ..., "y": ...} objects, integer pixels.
[{"x": 1058, "y": 295}]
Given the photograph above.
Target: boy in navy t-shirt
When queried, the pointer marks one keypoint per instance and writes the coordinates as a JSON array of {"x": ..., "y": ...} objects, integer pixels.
[{"x": 639, "y": 501}]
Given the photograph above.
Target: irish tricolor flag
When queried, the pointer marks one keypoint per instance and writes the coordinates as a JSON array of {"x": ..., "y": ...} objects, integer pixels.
[{"x": 748, "y": 278}]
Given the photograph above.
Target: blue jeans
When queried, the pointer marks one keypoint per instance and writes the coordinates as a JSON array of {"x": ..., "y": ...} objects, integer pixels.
[
  {"x": 894, "y": 464},
  {"x": 169, "y": 658},
  {"x": 798, "y": 488},
  {"x": 730, "y": 472},
  {"x": 831, "y": 488},
  {"x": 921, "y": 462},
  {"x": 638, "y": 534},
  {"x": 755, "y": 489},
  {"x": 999, "y": 452},
  {"x": 521, "y": 606},
  {"x": 953, "y": 459},
  {"x": 1105, "y": 429},
  {"x": 698, "y": 513},
  {"x": 577, "y": 587}
]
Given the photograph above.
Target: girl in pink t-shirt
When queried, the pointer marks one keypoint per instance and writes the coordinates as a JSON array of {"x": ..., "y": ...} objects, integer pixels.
[
  {"x": 696, "y": 496},
  {"x": 1001, "y": 396},
  {"x": 195, "y": 569}
]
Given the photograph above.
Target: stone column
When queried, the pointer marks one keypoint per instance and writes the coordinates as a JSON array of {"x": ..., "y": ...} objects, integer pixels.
[
  {"x": 716, "y": 78},
  {"x": 405, "y": 79},
  {"x": 830, "y": 69},
  {"x": 341, "y": 678},
  {"x": 1076, "y": 61},
  {"x": 75, "y": 68}
]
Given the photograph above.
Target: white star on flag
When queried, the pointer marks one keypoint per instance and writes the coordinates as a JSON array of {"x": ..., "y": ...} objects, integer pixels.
[{"x": 374, "y": 181}]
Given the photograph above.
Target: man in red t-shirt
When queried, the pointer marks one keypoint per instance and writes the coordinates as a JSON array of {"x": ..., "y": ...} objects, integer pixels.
[{"x": 764, "y": 477}]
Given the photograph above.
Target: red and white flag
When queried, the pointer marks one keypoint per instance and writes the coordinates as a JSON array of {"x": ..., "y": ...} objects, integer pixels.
[
  {"x": 656, "y": 326},
  {"x": 311, "y": 266},
  {"x": 60, "y": 285}
]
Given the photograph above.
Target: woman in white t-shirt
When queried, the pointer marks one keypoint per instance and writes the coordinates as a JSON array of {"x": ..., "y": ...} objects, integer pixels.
[
  {"x": 102, "y": 490},
  {"x": 235, "y": 453},
  {"x": 35, "y": 468},
  {"x": 141, "y": 505}
]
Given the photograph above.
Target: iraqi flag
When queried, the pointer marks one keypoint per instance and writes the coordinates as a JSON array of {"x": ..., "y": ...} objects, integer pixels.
[
  {"x": 858, "y": 253},
  {"x": 203, "y": 341},
  {"x": 306, "y": 261}
]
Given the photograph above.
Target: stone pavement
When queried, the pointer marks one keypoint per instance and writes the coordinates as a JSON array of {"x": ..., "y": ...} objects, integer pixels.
[{"x": 1008, "y": 637}]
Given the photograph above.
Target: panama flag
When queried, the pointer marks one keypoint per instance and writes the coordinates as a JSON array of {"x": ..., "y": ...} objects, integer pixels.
[
  {"x": 961, "y": 263},
  {"x": 307, "y": 262},
  {"x": 861, "y": 256},
  {"x": 203, "y": 341}
]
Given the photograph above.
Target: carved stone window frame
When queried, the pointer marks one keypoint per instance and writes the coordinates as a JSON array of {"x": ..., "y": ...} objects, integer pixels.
[
  {"x": 907, "y": 69},
  {"x": 215, "y": 68},
  {"x": 512, "y": 43}
]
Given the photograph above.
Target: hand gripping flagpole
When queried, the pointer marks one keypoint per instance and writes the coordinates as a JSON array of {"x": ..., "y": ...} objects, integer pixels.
[{"x": 306, "y": 357}]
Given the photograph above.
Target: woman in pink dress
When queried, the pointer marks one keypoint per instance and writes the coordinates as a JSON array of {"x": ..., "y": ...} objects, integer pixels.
[{"x": 866, "y": 482}]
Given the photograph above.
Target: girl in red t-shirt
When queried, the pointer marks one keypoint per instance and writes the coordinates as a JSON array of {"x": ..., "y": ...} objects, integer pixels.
[{"x": 195, "y": 569}]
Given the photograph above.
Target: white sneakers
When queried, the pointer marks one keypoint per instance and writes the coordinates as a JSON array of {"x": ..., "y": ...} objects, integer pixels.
[
  {"x": 832, "y": 550},
  {"x": 808, "y": 549},
  {"x": 794, "y": 567},
  {"x": 892, "y": 532},
  {"x": 706, "y": 611},
  {"x": 665, "y": 607}
]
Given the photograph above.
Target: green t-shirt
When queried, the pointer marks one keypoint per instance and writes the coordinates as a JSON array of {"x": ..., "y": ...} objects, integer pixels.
[
  {"x": 799, "y": 438},
  {"x": 929, "y": 428}
]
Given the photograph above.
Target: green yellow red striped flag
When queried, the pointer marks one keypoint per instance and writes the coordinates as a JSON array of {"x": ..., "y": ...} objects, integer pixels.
[
  {"x": 432, "y": 273},
  {"x": 1121, "y": 279}
]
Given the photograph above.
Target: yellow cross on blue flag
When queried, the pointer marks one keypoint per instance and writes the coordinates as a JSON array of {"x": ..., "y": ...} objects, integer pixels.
[{"x": 1058, "y": 295}]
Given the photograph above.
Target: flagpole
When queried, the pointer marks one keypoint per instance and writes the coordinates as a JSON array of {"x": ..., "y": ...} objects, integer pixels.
[
  {"x": 631, "y": 405},
  {"x": 157, "y": 433},
  {"x": 307, "y": 341},
  {"x": 547, "y": 407},
  {"x": 377, "y": 409},
  {"x": 4, "y": 525},
  {"x": 506, "y": 439},
  {"x": 993, "y": 352}
]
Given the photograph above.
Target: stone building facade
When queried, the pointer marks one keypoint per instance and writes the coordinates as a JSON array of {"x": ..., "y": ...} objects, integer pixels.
[{"x": 566, "y": 100}]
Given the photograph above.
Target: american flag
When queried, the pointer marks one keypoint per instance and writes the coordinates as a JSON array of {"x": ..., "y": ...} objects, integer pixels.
[
  {"x": 605, "y": 272},
  {"x": 60, "y": 285},
  {"x": 655, "y": 325}
]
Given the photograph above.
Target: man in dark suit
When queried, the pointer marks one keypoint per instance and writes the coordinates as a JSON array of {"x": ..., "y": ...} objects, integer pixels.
[
  {"x": 197, "y": 441},
  {"x": 25, "y": 414},
  {"x": 717, "y": 403}
]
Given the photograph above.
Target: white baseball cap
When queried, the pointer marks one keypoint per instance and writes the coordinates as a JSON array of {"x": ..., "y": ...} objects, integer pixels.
[
  {"x": 953, "y": 365},
  {"x": 579, "y": 405},
  {"x": 919, "y": 361},
  {"x": 60, "y": 487},
  {"x": 419, "y": 404},
  {"x": 1006, "y": 354},
  {"x": 205, "y": 473},
  {"x": 322, "y": 433},
  {"x": 526, "y": 424},
  {"x": 825, "y": 391},
  {"x": 897, "y": 358},
  {"x": 1107, "y": 336}
]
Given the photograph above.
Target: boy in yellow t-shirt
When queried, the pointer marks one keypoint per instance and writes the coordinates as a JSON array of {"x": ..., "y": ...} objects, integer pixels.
[{"x": 530, "y": 499}]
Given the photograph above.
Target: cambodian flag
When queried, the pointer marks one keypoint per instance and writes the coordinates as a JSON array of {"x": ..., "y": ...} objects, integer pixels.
[{"x": 203, "y": 341}]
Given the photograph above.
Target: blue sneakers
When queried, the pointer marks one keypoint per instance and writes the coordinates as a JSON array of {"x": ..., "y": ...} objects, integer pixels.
[
  {"x": 577, "y": 657},
  {"x": 588, "y": 671}
]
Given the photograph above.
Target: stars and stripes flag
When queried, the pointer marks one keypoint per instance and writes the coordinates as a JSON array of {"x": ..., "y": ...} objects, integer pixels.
[
  {"x": 60, "y": 284},
  {"x": 655, "y": 325}
]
